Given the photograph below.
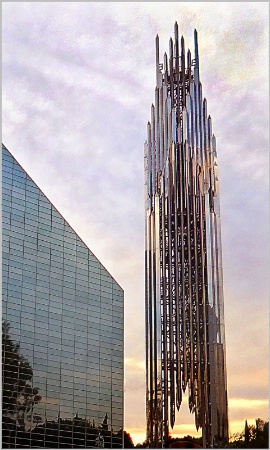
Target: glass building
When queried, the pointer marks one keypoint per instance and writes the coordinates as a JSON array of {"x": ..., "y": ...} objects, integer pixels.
[
  {"x": 185, "y": 334},
  {"x": 62, "y": 337}
]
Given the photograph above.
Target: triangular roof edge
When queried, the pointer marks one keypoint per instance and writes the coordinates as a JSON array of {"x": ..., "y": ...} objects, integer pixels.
[{"x": 62, "y": 216}]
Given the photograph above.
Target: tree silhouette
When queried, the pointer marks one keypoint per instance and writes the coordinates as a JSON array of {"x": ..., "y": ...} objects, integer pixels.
[
  {"x": 19, "y": 399},
  {"x": 252, "y": 436},
  {"x": 69, "y": 433},
  {"x": 18, "y": 396},
  {"x": 128, "y": 442}
]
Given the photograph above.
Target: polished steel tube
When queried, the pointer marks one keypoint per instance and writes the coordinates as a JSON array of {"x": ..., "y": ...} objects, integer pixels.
[{"x": 185, "y": 331}]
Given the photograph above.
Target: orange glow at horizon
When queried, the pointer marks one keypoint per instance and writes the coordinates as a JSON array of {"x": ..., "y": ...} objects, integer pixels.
[{"x": 254, "y": 408}]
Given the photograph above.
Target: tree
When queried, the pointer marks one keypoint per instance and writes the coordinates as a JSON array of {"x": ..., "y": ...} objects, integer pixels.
[
  {"x": 252, "y": 437},
  {"x": 143, "y": 445},
  {"x": 128, "y": 442},
  {"x": 189, "y": 439},
  {"x": 247, "y": 434},
  {"x": 19, "y": 397}
]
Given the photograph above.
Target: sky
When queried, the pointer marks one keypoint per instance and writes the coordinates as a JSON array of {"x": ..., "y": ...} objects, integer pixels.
[{"x": 78, "y": 84}]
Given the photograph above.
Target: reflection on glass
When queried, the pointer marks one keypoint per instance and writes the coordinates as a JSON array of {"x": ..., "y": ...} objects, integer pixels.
[
  {"x": 59, "y": 375},
  {"x": 19, "y": 397}
]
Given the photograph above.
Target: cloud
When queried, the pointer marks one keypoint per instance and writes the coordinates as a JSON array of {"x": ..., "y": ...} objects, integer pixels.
[
  {"x": 78, "y": 83},
  {"x": 244, "y": 403}
]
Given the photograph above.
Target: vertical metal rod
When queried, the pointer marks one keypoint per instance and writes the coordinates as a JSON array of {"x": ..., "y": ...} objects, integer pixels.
[{"x": 185, "y": 330}]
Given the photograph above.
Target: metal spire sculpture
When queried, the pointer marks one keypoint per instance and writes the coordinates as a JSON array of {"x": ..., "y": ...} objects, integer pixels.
[{"x": 185, "y": 336}]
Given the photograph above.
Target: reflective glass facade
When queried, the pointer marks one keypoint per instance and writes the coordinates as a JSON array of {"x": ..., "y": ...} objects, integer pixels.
[
  {"x": 62, "y": 328},
  {"x": 185, "y": 331}
]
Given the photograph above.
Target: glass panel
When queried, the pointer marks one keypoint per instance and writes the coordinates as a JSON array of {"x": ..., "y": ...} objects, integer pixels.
[{"x": 55, "y": 329}]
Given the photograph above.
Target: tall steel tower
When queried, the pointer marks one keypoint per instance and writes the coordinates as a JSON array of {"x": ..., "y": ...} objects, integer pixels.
[{"x": 185, "y": 336}]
